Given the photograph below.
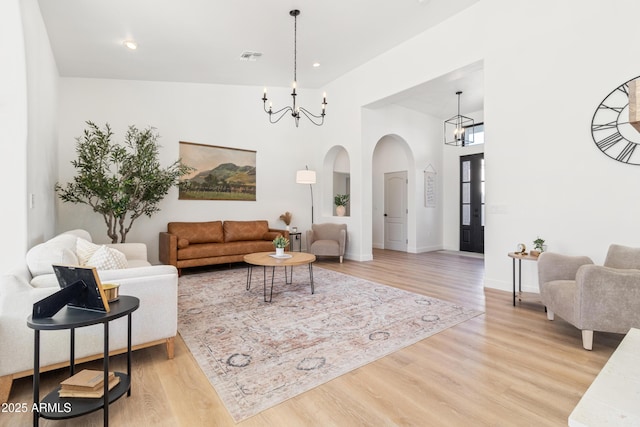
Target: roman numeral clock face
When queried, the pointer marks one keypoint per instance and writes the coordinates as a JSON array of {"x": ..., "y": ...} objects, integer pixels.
[{"x": 616, "y": 123}]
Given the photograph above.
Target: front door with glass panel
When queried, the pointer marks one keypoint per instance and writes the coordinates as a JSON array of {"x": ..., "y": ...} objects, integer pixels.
[{"x": 472, "y": 203}]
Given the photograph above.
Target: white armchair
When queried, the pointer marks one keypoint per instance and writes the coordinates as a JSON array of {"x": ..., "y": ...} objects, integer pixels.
[{"x": 155, "y": 322}]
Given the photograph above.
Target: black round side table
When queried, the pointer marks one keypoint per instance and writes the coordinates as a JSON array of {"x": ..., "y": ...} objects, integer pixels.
[{"x": 58, "y": 408}]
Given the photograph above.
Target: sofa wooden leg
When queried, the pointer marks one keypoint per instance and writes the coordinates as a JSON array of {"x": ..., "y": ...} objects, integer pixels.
[
  {"x": 550, "y": 315},
  {"x": 587, "y": 340},
  {"x": 170, "y": 347},
  {"x": 5, "y": 388},
  {"x": 340, "y": 259}
]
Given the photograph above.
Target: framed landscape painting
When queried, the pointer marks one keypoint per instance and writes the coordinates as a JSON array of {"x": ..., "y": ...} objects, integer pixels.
[{"x": 220, "y": 173}]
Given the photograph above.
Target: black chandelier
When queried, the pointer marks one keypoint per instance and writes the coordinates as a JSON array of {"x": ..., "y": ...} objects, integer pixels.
[
  {"x": 455, "y": 127},
  {"x": 275, "y": 116}
]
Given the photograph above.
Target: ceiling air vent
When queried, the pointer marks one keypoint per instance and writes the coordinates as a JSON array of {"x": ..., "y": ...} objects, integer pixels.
[{"x": 250, "y": 56}]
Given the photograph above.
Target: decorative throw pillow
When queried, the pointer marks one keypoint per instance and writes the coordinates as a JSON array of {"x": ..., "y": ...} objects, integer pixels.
[
  {"x": 183, "y": 243},
  {"x": 105, "y": 258},
  {"x": 58, "y": 250},
  {"x": 85, "y": 250}
]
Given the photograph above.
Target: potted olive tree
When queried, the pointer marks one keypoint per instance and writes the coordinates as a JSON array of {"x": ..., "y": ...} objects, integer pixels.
[{"x": 120, "y": 182}]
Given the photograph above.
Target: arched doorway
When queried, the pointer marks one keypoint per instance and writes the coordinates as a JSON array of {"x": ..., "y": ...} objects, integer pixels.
[{"x": 391, "y": 181}]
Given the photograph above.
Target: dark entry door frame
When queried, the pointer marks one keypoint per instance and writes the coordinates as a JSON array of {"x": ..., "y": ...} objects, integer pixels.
[{"x": 472, "y": 203}]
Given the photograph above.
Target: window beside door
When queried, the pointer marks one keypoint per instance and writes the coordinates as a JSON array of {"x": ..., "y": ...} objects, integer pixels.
[{"x": 474, "y": 135}]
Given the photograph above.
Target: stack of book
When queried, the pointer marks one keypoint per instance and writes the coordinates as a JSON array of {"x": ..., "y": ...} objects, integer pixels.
[{"x": 87, "y": 383}]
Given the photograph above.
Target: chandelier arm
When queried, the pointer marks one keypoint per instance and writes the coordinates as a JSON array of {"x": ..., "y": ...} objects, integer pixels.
[
  {"x": 279, "y": 114},
  {"x": 309, "y": 113},
  {"x": 311, "y": 116}
]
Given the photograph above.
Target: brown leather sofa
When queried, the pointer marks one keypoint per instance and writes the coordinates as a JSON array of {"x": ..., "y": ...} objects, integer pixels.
[{"x": 195, "y": 244}]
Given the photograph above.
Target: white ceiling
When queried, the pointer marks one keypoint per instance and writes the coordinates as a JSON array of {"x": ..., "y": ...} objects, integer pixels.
[
  {"x": 438, "y": 97},
  {"x": 201, "y": 41}
]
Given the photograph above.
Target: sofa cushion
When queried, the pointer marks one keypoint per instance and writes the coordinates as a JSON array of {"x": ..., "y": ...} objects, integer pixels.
[
  {"x": 105, "y": 258},
  {"x": 58, "y": 250},
  {"x": 235, "y": 231},
  {"x": 325, "y": 247},
  {"x": 198, "y": 232},
  {"x": 182, "y": 243},
  {"x": 85, "y": 250},
  {"x": 79, "y": 232},
  {"x": 270, "y": 235},
  {"x": 45, "y": 281},
  {"x": 210, "y": 250}
]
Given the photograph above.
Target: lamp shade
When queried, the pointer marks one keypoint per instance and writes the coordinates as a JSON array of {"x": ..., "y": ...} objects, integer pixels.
[{"x": 306, "y": 177}]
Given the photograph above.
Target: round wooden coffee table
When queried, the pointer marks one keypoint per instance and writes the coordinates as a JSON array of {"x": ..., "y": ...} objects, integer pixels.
[{"x": 268, "y": 259}]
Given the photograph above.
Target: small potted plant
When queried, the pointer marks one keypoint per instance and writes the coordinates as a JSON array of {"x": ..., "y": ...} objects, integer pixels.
[
  {"x": 280, "y": 243},
  {"x": 538, "y": 246},
  {"x": 341, "y": 200}
]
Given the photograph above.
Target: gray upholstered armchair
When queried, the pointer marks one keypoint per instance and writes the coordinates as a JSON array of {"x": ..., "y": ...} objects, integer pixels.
[
  {"x": 327, "y": 239},
  {"x": 592, "y": 297}
]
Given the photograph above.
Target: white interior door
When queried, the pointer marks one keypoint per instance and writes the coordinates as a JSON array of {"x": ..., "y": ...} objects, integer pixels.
[{"x": 395, "y": 211}]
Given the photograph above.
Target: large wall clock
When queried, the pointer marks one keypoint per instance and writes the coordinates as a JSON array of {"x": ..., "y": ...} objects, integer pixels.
[{"x": 616, "y": 123}]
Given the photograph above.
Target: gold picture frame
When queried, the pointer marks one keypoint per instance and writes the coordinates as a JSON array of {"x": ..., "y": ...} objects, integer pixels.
[{"x": 220, "y": 173}]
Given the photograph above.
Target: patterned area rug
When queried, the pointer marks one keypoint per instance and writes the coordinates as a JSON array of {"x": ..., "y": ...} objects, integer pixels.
[{"x": 259, "y": 354}]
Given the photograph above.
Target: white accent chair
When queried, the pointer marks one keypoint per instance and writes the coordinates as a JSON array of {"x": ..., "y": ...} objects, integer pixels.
[
  {"x": 155, "y": 322},
  {"x": 592, "y": 297},
  {"x": 327, "y": 240}
]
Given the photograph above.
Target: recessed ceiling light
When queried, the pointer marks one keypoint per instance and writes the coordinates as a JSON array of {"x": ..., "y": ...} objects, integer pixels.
[
  {"x": 316, "y": 64},
  {"x": 130, "y": 44}
]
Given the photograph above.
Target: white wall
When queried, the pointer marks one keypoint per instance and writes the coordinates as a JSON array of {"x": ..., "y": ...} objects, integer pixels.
[
  {"x": 229, "y": 116},
  {"x": 13, "y": 134},
  {"x": 567, "y": 192},
  {"x": 28, "y": 90},
  {"x": 42, "y": 137},
  {"x": 547, "y": 65}
]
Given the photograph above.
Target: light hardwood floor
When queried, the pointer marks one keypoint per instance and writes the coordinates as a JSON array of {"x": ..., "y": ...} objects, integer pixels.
[{"x": 508, "y": 367}]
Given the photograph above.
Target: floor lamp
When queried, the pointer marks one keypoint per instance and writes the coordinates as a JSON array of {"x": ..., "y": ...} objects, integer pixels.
[{"x": 307, "y": 177}]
